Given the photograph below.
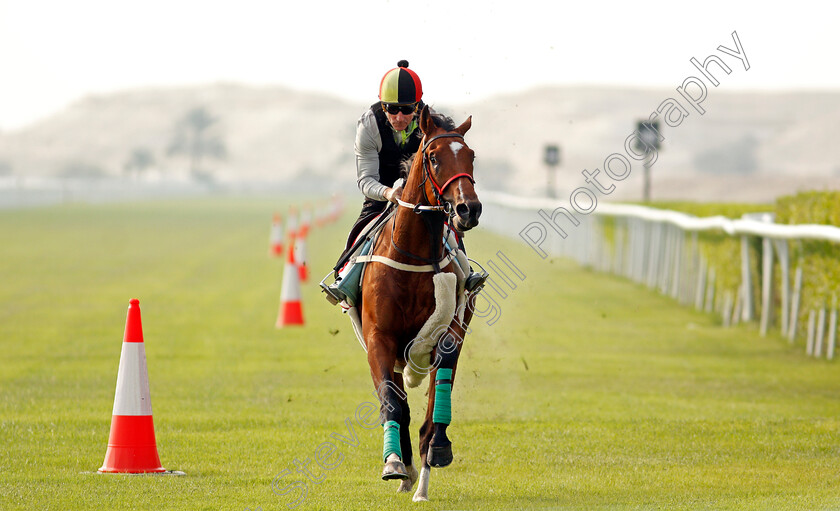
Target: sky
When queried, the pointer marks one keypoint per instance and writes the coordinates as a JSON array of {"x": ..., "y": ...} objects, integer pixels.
[{"x": 55, "y": 52}]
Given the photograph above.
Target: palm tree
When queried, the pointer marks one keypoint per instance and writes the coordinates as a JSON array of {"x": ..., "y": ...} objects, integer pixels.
[
  {"x": 139, "y": 161},
  {"x": 193, "y": 138}
]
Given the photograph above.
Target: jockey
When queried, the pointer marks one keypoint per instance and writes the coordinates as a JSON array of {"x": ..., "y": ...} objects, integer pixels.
[{"x": 387, "y": 134}]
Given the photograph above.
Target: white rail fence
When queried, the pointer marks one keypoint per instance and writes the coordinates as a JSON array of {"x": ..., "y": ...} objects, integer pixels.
[{"x": 660, "y": 249}]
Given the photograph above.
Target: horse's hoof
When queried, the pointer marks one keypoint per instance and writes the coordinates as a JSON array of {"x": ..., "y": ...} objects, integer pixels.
[
  {"x": 407, "y": 484},
  {"x": 420, "y": 498},
  {"x": 440, "y": 455},
  {"x": 394, "y": 470}
]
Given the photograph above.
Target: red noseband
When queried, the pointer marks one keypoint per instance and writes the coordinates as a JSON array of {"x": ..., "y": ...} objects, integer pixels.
[{"x": 450, "y": 180}]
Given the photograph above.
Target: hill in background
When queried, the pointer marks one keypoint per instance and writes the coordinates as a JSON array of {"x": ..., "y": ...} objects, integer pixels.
[{"x": 747, "y": 146}]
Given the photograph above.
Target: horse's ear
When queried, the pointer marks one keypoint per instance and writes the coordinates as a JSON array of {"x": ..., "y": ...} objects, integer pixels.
[
  {"x": 427, "y": 125},
  {"x": 464, "y": 127}
]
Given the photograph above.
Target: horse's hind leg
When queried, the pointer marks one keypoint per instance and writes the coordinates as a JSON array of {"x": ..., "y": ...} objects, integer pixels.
[
  {"x": 435, "y": 447},
  {"x": 431, "y": 453},
  {"x": 405, "y": 440},
  {"x": 422, "y": 493},
  {"x": 391, "y": 396}
]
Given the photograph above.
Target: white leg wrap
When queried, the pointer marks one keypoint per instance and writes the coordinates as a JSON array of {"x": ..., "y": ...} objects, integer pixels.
[{"x": 422, "y": 493}]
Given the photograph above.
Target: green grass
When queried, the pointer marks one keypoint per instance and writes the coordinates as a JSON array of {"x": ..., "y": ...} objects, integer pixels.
[{"x": 590, "y": 392}]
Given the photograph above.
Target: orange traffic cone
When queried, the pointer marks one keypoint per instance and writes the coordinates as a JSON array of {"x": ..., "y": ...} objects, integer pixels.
[
  {"x": 292, "y": 220},
  {"x": 276, "y": 236},
  {"x": 320, "y": 215},
  {"x": 305, "y": 221},
  {"x": 131, "y": 445},
  {"x": 300, "y": 256},
  {"x": 291, "y": 311},
  {"x": 336, "y": 208}
]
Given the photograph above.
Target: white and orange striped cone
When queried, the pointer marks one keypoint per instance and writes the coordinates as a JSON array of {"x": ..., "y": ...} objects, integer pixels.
[
  {"x": 292, "y": 221},
  {"x": 276, "y": 236},
  {"x": 291, "y": 309},
  {"x": 305, "y": 221},
  {"x": 336, "y": 208},
  {"x": 320, "y": 215},
  {"x": 300, "y": 256},
  {"x": 131, "y": 444}
]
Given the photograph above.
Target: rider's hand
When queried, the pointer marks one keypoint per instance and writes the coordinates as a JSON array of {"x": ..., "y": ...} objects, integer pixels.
[{"x": 392, "y": 194}]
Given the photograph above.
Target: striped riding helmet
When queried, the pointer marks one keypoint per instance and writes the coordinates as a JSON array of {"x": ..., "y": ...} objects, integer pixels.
[{"x": 400, "y": 86}]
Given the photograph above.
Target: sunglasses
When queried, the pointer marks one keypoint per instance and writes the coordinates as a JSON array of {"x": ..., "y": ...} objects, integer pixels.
[{"x": 401, "y": 109}]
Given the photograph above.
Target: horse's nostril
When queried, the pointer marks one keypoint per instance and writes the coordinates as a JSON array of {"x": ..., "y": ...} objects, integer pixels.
[
  {"x": 477, "y": 210},
  {"x": 462, "y": 210}
]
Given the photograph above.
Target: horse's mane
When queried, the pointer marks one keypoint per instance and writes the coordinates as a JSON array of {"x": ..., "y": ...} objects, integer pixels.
[{"x": 441, "y": 121}]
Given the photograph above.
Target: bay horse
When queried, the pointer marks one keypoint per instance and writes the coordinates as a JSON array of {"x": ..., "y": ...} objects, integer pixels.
[{"x": 398, "y": 298}]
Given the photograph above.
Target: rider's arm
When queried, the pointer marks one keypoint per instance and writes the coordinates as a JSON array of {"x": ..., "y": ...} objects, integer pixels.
[{"x": 367, "y": 147}]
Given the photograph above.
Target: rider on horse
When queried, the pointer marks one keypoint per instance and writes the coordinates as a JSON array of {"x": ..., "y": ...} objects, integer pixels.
[
  {"x": 414, "y": 309},
  {"x": 386, "y": 135}
]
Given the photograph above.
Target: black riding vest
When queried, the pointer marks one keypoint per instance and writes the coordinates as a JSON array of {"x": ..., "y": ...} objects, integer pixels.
[{"x": 392, "y": 155}]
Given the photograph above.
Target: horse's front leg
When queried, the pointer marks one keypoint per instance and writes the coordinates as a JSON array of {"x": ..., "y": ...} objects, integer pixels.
[
  {"x": 435, "y": 447},
  {"x": 405, "y": 439},
  {"x": 381, "y": 358}
]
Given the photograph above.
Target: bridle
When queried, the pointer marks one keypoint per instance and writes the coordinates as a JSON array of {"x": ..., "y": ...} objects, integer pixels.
[
  {"x": 437, "y": 189},
  {"x": 428, "y": 173},
  {"x": 442, "y": 206}
]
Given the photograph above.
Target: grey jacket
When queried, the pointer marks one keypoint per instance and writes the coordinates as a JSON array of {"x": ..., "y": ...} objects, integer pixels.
[{"x": 367, "y": 147}]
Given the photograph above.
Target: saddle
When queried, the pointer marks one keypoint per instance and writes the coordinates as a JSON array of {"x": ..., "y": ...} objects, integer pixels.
[{"x": 349, "y": 270}]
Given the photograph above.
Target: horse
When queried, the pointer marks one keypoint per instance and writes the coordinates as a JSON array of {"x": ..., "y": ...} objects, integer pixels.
[{"x": 400, "y": 296}]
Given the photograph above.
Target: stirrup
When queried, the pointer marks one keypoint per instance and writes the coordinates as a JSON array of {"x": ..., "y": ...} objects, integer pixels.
[
  {"x": 333, "y": 294},
  {"x": 475, "y": 281}
]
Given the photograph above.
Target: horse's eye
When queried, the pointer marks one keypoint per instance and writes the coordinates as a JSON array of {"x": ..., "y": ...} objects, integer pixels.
[{"x": 433, "y": 159}]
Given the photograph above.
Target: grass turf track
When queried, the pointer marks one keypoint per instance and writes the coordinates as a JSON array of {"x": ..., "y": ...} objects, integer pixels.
[{"x": 590, "y": 392}]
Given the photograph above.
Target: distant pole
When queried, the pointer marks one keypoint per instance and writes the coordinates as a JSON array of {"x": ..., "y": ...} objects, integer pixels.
[
  {"x": 552, "y": 160},
  {"x": 649, "y": 140}
]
